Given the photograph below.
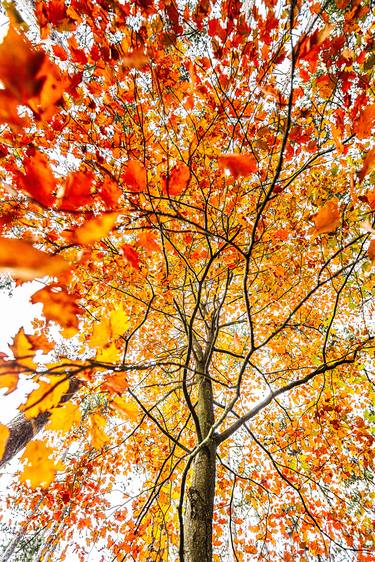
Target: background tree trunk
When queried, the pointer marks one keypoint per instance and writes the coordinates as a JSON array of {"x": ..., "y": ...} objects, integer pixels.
[{"x": 201, "y": 493}]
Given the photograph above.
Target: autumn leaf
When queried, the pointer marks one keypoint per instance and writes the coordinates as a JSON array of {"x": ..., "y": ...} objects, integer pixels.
[
  {"x": 97, "y": 434},
  {"x": 58, "y": 305},
  {"x": 22, "y": 350},
  {"x": 125, "y": 408},
  {"x": 21, "y": 260},
  {"x": 46, "y": 396},
  {"x": 4, "y": 436},
  {"x": 135, "y": 59},
  {"x": 177, "y": 181},
  {"x": 370, "y": 195},
  {"x": 115, "y": 383},
  {"x": 110, "y": 327},
  {"x": 39, "y": 468},
  {"x": 38, "y": 179},
  {"x": 148, "y": 241},
  {"x": 131, "y": 255},
  {"x": 238, "y": 164},
  {"x": 64, "y": 417},
  {"x": 368, "y": 165},
  {"x": 8, "y": 376},
  {"x": 77, "y": 191},
  {"x": 365, "y": 122},
  {"x": 135, "y": 176},
  {"x": 328, "y": 218},
  {"x": 95, "y": 229},
  {"x": 371, "y": 251},
  {"x": 29, "y": 77}
]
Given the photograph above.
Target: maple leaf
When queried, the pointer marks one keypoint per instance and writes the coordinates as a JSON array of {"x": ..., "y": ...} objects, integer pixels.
[
  {"x": 46, "y": 396},
  {"x": 23, "y": 261},
  {"x": 95, "y": 229},
  {"x": 22, "y": 350},
  {"x": 328, "y": 218},
  {"x": 39, "y": 469},
  {"x": 64, "y": 417},
  {"x": 116, "y": 383},
  {"x": 4, "y": 436},
  {"x": 38, "y": 179},
  {"x": 131, "y": 255},
  {"x": 135, "y": 176},
  {"x": 29, "y": 77},
  {"x": 98, "y": 436},
  {"x": 58, "y": 305},
  {"x": 368, "y": 165},
  {"x": 77, "y": 192},
  {"x": 125, "y": 408},
  {"x": 371, "y": 251},
  {"x": 177, "y": 181},
  {"x": 238, "y": 164}
]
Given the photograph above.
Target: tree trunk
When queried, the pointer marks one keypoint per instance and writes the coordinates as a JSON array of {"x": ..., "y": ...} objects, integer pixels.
[
  {"x": 201, "y": 493},
  {"x": 22, "y": 430}
]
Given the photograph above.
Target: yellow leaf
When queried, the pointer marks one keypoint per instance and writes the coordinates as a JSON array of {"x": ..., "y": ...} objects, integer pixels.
[
  {"x": 119, "y": 322},
  {"x": 109, "y": 354},
  {"x": 327, "y": 218},
  {"x": 64, "y": 417},
  {"x": 4, "y": 436},
  {"x": 130, "y": 409},
  {"x": 98, "y": 436},
  {"x": 96, "y": 228},
  {"x": 8, "y": 376},
  {"x": 46, "y": 396},
  {"x": 39, "y": 469},
  {"x": 23, "y": 350},
  {"x": 101, "y": 333}
]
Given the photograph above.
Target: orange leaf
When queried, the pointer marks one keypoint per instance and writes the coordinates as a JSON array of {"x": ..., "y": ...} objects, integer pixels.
[
  {"x": 177, "y": 181},
  {"x": 124, "y": 407},
  {"x": 95, "y": 229},
  {"x": 25, "y": 262},
  {"x": 371, "y": 198},
  {"x": 23, "y": 350},
  {"x": 366, "y": 121},
  {"x": 135, "y": 176},
  {"x": 135, "y": 59},
  {"x": 58, "y": 305},
  {"x": 4, "y": 436},
  {"x": 38, "y": 180},
  {"x": 327, "y": 218},
  {"x": 368, "y": 165},
  {"x": 131, "y": 255},
  {"x": 238, "y": 164},
  {"x": 146, "y": 239},
  {"x": 8, "y": 375},
  {"x": 77, "y": 190},
  {"x": 29, "y": 76},
  {"x": 371, "y": 251},
  {"x": 98, "y": 436},
  {"x": 116, "y": 383}
]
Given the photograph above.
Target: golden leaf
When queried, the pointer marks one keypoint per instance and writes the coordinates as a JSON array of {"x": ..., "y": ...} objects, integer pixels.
[
  {"x": 46, "y": 396},
  {"x": 95, "y": 229},
  {"x": 130, "y": 409},
  {"x": 98, "y": 436},
  {"x": 4, "y": 436},
  {"x": 39, "y": 469},
  {"x": 64, "y": 417}
]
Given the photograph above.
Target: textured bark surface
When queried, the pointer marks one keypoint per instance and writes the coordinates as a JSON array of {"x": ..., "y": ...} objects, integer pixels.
[
  {"x": 22, "y": 429},
  {"x": 201, "y": 493}
]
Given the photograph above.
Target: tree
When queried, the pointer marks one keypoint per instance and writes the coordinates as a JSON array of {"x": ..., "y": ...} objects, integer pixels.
[{"x": 191, "y": 184}]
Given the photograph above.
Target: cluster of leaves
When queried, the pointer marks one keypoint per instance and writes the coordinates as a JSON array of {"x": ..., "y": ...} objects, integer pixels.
[{"x": 195, "y": 181}]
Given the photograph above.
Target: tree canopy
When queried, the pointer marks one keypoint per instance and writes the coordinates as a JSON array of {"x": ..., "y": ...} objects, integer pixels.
[{"x": 190, "y": 182}]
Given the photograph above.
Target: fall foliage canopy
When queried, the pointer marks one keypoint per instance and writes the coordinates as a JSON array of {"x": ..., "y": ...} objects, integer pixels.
[{"x": 191, "y": 183}]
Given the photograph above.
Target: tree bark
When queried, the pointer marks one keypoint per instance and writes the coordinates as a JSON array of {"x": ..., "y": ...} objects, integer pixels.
[
  {"x": 201, "y": 493},
  {"x": 22, "y": 430}
]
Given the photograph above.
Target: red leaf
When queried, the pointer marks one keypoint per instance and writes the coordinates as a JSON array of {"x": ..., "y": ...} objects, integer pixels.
[
  {"x": 135, "y": 176},
  {"x": 177, "y": 181},
  {"x": 39, "y": 181},
  {"x": 238, "y": 164},
  {"x": 131, "y": 255}
]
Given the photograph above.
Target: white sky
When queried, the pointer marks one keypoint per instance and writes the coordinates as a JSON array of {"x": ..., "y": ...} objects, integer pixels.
[{"x": 16, "y": 311}]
